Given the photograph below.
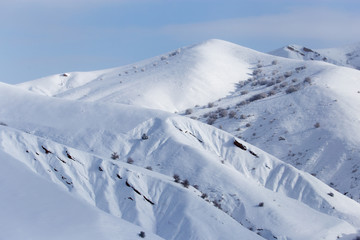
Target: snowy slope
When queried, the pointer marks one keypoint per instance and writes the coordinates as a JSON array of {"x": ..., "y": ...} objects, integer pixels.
[
  {"x": 348, "y": 56},
  {"x": 171, "y": 82},
  {"x": 70, "y": 143},
  {"x": 328, "y": 95},
  {"x": 309, "y": 119},
  {"x": 34, "y": 208}
]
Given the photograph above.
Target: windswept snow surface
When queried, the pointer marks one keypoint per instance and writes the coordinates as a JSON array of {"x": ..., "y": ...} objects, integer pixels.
[{"x": 77, "y": 158}]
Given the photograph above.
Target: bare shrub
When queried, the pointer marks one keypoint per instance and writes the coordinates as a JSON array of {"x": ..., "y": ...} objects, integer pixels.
[
  {"x": 269, "y": 84},
  {"x": 114, "y": 155},
  {"x": 283, "y": 84},
  {"x": 280, "y": 79},
  {"x": 308, "y": 80},
  {"x": 130, "y": 160},
  {"x": 242, "y": 103},
  {"x": 274, "y": 62},
  {"x": 210, "y": 121},
  {"x": 317, "y": 125},
  {"x": 257, "y": 97},
  {"x": 232, "y": 114},
  {"x": 149, "y": 168},
  {"x": 211, "y": 104},
  {"x": 142, "y": 234},
  {"x": 292, "y": 89},
  {"x": 287, "y": 74},
  {"x": 263, "y": 82},
  {"x": 176, "y": 178},
  {"x": 185, "y": 183},
  {"x": 257, "y": 71},
  {"x": 271, "y": 93},
  {"x": 244, "y": 92},
  {"x": 248, "y": 125},
  {"x": 217, "y": 204},
  {"x": 204, "y": 195},
  {"x": 188, "y": 111},
  {"x": 242, "y": 116},
  {"x": 223, "y": 113},
  {"x": 261, "y": 204}
]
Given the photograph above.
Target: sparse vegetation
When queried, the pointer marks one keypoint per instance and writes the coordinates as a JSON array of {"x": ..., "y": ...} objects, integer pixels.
[
  {"x": 176, "y": 178},
  {"x": 283, "y": 84},
  {"x": 308, "y": 80},
  {"x": 287, "y": 74},
  {"x": 204, "y": 195},
  {"x": 188, "y": 111},
  {"x": 217, "y": 204},
  {"x": 232, "y": 114},
  {"x": 210, "y": 121},
  {"x": 292, "y": 88},
  {"x": 211, "y": 104},
  {"x": 274, "y": 62},
  {"x": 257, "y": 97},
  {"x": 130, "y": 160},
  {"x": 317, "y": 125},
  {"x": 223, "y": 113},
  {"x": 185, "y": 183},
  {"x": 257, "y": 71},
  {"x": 244, "y": 92},
  {"x": 144, "y": 136},
  {"x": 114, "y": 155},
  {"x": 271, "y": 93},
  {"x": 142, "y": 234}
]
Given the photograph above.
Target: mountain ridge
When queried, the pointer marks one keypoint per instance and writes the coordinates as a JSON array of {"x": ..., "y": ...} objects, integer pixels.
[{"x": 167, "y": 164}]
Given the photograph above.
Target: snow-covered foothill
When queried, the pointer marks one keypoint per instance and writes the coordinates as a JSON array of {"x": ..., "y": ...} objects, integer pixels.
[{"x": 245, "y": 189}]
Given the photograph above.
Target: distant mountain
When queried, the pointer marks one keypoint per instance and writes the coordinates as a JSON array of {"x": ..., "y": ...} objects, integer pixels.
[
  {"x": 110, "y": 141},
  {"x": 348, "y": 56}
]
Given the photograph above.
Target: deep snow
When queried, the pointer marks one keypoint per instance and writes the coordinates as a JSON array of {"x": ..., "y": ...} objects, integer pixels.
[{"x": 68, "y": 128}]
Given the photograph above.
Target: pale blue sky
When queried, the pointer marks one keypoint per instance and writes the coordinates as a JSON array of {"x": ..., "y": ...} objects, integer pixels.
[{"x": 44, "y": 37}]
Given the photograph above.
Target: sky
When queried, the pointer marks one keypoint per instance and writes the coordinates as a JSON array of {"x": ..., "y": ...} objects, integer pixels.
[{"x": 44, "y": 37}]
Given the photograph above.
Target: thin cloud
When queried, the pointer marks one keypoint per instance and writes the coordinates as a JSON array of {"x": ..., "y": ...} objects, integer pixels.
[{"x": 312, "y": 24}]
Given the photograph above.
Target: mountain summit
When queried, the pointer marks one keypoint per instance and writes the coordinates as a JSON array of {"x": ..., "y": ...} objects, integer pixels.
[{"x": 261, "y": 147}]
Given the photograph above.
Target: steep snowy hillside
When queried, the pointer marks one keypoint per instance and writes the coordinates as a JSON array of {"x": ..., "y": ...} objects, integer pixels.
[
  {"x": 295, "y": 94},
  {"x": 33, "y": 208},
  {"x": 172, "y": 82},
  {"x": 305, "y": 113},
  {"x": 348, "y": 56},
  {"x": 224, "y": 187}
]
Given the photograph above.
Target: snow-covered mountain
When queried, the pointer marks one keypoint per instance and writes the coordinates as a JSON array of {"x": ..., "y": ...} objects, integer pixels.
[
  {"x": 171, "y": 82},
  {"x": 108, "y": 140},
  {"x": 348, "y": 56}
]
